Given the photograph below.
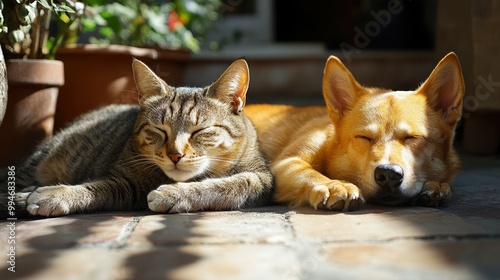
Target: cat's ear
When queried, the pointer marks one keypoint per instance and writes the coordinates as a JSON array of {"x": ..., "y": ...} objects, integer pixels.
[
  {"x": 232, "y": 85},
  {"x": 444, "y": 89},
  {"x": 147, "y": 82},
  {"x": 340, "y": 89}
]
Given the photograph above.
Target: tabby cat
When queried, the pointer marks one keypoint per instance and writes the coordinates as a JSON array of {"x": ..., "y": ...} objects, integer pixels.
[{"x": 182, "y": 149}]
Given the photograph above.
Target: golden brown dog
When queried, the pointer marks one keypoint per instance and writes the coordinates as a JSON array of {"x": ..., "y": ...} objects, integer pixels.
[{"x": 368, "y": 144}]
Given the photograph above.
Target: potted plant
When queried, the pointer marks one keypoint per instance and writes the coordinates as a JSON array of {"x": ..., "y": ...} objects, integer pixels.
[
  {"x": 160, "y": 33},
  {"x": 33, "y": 75}
]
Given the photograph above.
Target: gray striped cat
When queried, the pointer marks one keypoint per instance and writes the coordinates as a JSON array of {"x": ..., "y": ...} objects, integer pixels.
[{"x": 182, "y": 149}]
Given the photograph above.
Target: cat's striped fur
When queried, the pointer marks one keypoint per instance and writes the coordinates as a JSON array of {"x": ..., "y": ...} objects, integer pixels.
[{"x": 180, "y": 150}]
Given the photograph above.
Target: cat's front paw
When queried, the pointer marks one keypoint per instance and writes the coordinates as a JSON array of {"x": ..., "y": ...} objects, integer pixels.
[
  {"x": 434, "y": 194},
  {"x": 48, "y": 201},
  {"x": 336, "y": 195},
  {"x": 166, "y": 198}
]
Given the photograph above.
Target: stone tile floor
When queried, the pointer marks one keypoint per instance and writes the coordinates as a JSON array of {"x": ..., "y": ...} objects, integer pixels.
[{"x": 459, "y": 241}]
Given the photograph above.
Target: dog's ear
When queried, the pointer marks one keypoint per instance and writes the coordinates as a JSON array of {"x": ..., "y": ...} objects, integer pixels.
[
  {"x": 340, "y": 89},
  {"x": 444, "y": 89}
]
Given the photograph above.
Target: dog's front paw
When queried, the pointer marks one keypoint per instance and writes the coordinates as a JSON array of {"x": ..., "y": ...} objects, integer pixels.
[
  {"x": 167, "y": 198},
  {"x": 48, "y": 201},
  {"x": 434, "y": 194},
  {"x": 336, "y": 195}
]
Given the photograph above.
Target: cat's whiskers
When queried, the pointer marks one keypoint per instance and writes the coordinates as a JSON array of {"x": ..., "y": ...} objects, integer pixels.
[
  {"x": 145, "y": 162},
  {"x": 223, "y": 160},
  {"x": 218, "y": 168}
]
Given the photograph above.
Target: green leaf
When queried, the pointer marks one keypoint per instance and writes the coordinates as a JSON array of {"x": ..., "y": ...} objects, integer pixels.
[
  {"x": 114, "y": 23},
  {"x": 99, "y": 20},
  {"x": 106, "y": 31},
  {"x": 50, "y": 43},
  {"x": 96, "y": 2},
  {"x": 26, "y": 14},
  {"x": 45, "y": 4},
  {"x": 88, "y": 24},
  {"x": 18, "y": 36},
  {"x": 157, "y": 21},
  {"x": 122, "y": 11},
  {"x": 64, "y": 18},
  {"x": 63, "y": 8}
]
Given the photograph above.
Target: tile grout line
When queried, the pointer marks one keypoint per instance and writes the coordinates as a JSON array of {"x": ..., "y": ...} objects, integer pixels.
[
  {"x": 307, "y": 251},
  {"x": 126, "y": 232},
  {"x": 120, "y": 241},
  {"x": 287, "y": 217}
]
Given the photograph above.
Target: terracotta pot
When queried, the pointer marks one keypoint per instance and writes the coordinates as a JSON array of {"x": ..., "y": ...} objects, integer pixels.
[
  {"x": 101, "y": 75},
  {"x": 29, "y": 119}
]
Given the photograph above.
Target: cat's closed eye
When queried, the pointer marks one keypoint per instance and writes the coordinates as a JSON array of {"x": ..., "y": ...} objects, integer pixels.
[
  {"x": 206, "y": 134},
  {"x": 156, "y": 135}
]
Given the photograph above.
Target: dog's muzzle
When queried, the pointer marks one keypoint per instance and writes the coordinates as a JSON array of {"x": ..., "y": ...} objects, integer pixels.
[{"x": 389, "y": 176}]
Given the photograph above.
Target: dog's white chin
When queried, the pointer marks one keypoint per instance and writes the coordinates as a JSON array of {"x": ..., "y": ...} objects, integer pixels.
[
  {"x": 406, "y": 193},
  {"x": 411, "y": 189}
]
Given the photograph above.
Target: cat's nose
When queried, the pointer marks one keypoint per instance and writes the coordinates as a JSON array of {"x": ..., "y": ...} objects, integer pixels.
[
  {"x": 389, "y": 176},
  {"x": 175, "y": 157}
]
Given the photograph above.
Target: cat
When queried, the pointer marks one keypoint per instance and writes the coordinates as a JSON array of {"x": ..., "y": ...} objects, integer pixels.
[{"x": 182, "y": 149}]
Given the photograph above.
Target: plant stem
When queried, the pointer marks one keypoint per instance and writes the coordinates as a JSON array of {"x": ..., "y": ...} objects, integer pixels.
[
  {"x": 35, "y": 33},
  {"x": 44, "y": 31}
]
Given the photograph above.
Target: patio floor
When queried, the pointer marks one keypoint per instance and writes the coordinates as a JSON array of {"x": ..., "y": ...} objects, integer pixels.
[{"x": 459, "y": 241}]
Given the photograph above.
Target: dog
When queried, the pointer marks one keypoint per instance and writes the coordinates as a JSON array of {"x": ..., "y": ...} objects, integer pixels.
[{"x": 368, "y": 144}]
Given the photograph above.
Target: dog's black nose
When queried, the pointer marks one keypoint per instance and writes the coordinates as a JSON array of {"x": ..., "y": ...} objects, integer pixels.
[{"x": 389, "y": 176}]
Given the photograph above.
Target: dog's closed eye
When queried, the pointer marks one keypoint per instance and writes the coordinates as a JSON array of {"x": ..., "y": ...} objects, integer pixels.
[
  {"x": 363, "y": 137},
  {"x": 413, "y": 140},
  {"x": 410, "y": 137}
]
